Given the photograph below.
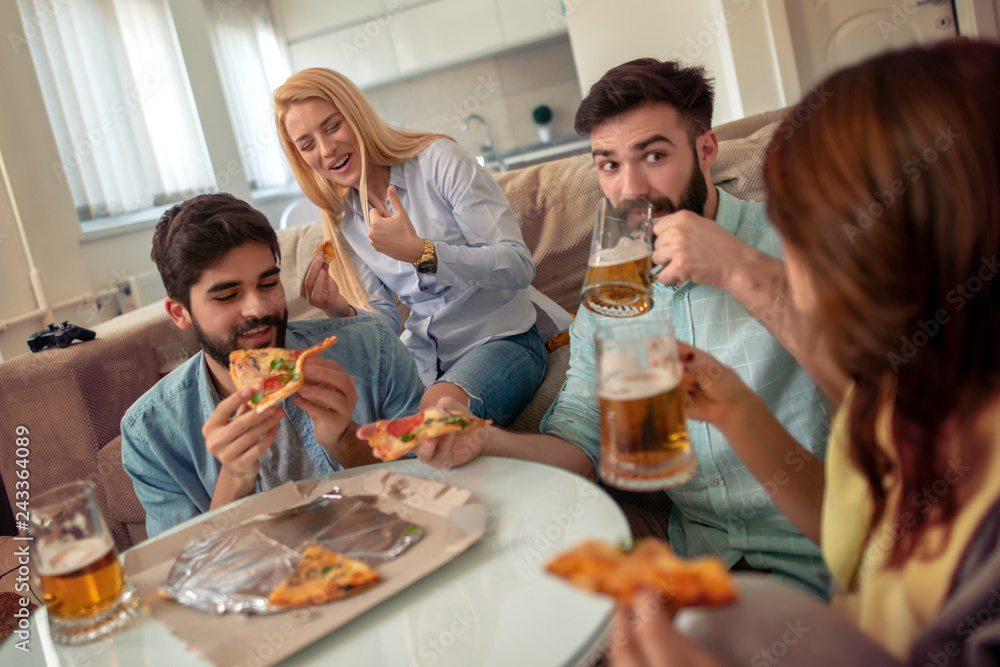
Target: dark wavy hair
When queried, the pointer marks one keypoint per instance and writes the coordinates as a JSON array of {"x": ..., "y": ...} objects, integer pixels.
[
  {"x": 890, "y": 192},
  {"x": 194, "y": 235},
  {"x": 647, "y": 80}
]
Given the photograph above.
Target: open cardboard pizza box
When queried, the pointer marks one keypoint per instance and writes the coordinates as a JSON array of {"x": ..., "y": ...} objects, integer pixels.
[{"x": 450, "y": 518}]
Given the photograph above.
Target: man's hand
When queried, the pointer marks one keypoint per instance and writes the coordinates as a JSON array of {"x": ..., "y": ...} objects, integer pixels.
[
  {"x": 694, "y": 248},
  {"x": 322, "y": 291},
  {"x": 449, "y": 450},
  {"x": 394, "y": 235},
  {"x": 643, "y": 635},
  {"x": 238, "y": 441},
  {"x": 328, "y": 396}
]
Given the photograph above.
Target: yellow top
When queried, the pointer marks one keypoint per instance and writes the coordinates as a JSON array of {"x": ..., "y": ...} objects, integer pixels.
[{"x": 893, "y": 605}]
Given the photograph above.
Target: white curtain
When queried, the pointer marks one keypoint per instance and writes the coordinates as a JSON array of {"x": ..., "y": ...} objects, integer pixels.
[
  {"x": 119, "y": 102},
  {"x": 251, "y": 65}
]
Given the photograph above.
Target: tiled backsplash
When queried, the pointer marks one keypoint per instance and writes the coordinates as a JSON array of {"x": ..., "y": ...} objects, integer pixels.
[{"x": 503, "y": 89}]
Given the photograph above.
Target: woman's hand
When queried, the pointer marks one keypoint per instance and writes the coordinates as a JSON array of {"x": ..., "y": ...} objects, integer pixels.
[
  {"x": 714, "y": 392},
  {"x": 322, "y": 291},
  {"x": 394, "y": 235},
  {"x": 643, "y": 635}
]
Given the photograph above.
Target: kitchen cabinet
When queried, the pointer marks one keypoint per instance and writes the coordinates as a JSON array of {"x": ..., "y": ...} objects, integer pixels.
[
  {"x": 526, "y": 21},
  {"x": 378, "y": 41},
  {"x": 363, "y": 53},
  {"x": 445, "y": 32},
  {"x": 302, "y": 19}
]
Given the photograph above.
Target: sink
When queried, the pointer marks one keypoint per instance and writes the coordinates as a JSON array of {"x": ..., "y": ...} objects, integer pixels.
[{"x": 523, "y": 156}]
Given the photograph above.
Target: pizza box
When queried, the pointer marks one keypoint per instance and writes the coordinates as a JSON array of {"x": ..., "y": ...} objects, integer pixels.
[{"x": 451, "y": 519}]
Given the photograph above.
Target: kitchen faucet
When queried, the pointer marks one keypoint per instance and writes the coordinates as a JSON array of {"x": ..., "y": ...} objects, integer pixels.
[{"x": 487, "y": 147}]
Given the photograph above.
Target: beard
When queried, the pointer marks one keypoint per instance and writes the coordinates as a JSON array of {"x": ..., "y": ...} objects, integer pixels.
[
  {"x": 693, "y": 199},
  {"x": 219, "y": 350}
]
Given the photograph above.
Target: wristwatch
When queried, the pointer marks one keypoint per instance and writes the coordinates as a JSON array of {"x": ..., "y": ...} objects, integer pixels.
[{"x": 428, "y": 262}]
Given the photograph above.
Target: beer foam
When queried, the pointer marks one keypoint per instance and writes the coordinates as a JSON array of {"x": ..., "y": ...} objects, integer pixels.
[
  {"x": 636, "y": 385},
  {"x": 627, "y": 249},
  {"x": 71, "y": 556}
]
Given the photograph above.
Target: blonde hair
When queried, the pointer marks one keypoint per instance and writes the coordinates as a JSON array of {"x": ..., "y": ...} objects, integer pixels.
[{"x": 383, "y": 144}]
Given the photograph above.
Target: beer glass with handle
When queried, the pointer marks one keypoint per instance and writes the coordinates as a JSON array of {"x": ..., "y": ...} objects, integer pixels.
[
  {"x": 644, "y": 437},
  {"x": 619, "y": 281},
  {"x": 76, "y": 564}
]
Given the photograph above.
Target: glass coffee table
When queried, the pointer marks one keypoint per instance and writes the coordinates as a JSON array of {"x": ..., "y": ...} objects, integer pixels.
[{"x": 493, "y": 605}]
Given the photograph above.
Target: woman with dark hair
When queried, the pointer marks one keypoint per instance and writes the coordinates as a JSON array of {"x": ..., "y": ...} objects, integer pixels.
[{"x": 888, "y": 201}]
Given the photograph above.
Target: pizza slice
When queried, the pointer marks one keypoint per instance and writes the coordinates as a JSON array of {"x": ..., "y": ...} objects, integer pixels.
[
  {"x": 326, "y": 247},
  {"x": 321, "y": 576},
  {"x": 395, "y": 437},
  {"x": 272, "y": 372},
  {"x": 603, "y": 568}
]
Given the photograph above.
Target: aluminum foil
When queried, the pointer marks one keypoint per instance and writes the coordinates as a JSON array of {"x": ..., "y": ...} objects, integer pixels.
[{"x": 234, "y": 571}]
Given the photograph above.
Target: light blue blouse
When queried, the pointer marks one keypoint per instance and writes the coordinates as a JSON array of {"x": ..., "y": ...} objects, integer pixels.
[{"x": 479, "y": 291}]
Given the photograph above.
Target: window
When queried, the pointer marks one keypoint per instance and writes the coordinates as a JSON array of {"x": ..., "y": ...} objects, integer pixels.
[
  {"x": 122, "y": 112},
  {"x": 251, "y": 65},
  {"x": 117, "y": 97}
]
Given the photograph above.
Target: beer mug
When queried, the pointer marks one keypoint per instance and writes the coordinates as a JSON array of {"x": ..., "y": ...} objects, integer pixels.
[
  {"x": 644, "y": 438},
  {"x": 619, "y": 280},
  {"x": 76, "y": 565}
]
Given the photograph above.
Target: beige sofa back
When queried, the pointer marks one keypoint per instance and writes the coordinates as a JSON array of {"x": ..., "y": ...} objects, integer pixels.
[{"x": 72, "y": 400}]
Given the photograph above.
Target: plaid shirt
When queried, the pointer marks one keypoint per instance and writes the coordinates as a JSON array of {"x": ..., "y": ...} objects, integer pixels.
[{"x": 723, "y": 510}]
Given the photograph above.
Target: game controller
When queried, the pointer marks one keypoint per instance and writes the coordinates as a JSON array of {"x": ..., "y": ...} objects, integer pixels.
[{"x": 62, "y": 336}]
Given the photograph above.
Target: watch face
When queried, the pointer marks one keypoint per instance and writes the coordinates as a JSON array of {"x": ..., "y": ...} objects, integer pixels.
[{"x": 428, "y": 266}]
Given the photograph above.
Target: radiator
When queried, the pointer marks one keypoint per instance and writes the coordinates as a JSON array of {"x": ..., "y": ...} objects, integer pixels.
[{"x": 142, "y": 289}]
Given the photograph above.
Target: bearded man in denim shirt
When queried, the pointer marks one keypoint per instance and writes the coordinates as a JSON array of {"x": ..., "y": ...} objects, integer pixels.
[{"x": 191, "y": 443}]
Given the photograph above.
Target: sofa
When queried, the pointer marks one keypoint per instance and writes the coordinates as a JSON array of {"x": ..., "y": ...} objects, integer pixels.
[{"x": 72, "y": 400}]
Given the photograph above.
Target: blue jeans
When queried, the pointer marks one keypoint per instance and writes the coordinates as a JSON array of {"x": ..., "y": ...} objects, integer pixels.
[{"x": 500, "y": 376}]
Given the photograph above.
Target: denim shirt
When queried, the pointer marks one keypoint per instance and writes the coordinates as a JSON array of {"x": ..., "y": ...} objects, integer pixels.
[
  {"x": 723, "y": 510},
  {"x": 479, "y": 291},
  {"x": 163, "y": 449}
]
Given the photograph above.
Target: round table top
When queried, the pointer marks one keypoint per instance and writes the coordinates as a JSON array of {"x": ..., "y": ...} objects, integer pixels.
[{"x": 492, "y": 605}]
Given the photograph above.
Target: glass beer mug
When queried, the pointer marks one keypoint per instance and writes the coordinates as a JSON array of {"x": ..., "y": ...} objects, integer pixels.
[
  {"x": 619, "y": 281},
  {"x": 644, "y": 437},
  {"x": 84, "y": 589}
]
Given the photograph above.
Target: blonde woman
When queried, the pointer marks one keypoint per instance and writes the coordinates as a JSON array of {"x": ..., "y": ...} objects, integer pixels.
[{"x": 412, "y": 214}]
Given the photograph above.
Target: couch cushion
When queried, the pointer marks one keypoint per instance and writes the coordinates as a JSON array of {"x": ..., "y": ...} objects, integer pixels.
[
  {"x": 122, "y": 509},
  {"x": 738, "y": 167},
  {"x": 71, "y": 401},
  {"x": 554, "y": 203},
  {"x": 555, "y": 375},
  {"x": 298, "y": 245}
]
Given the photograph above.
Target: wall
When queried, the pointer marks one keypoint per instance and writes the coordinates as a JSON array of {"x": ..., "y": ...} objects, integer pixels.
[
  {"x": 732, "y": 39},
  {"x": 46, "y": 206},
  {"x": 72, "y": 263},
  {"x": 502, "y": 89}
]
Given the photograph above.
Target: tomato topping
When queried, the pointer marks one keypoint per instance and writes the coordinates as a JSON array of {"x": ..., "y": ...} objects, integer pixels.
[
  {"x": 273, "y": 383},
  {"x": 400, "y": 427}
]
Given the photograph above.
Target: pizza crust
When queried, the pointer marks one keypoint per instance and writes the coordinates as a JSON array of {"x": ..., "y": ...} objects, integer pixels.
[
  {"x": 251, "y": 368},
  {"x": 603, "y": 568}
]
